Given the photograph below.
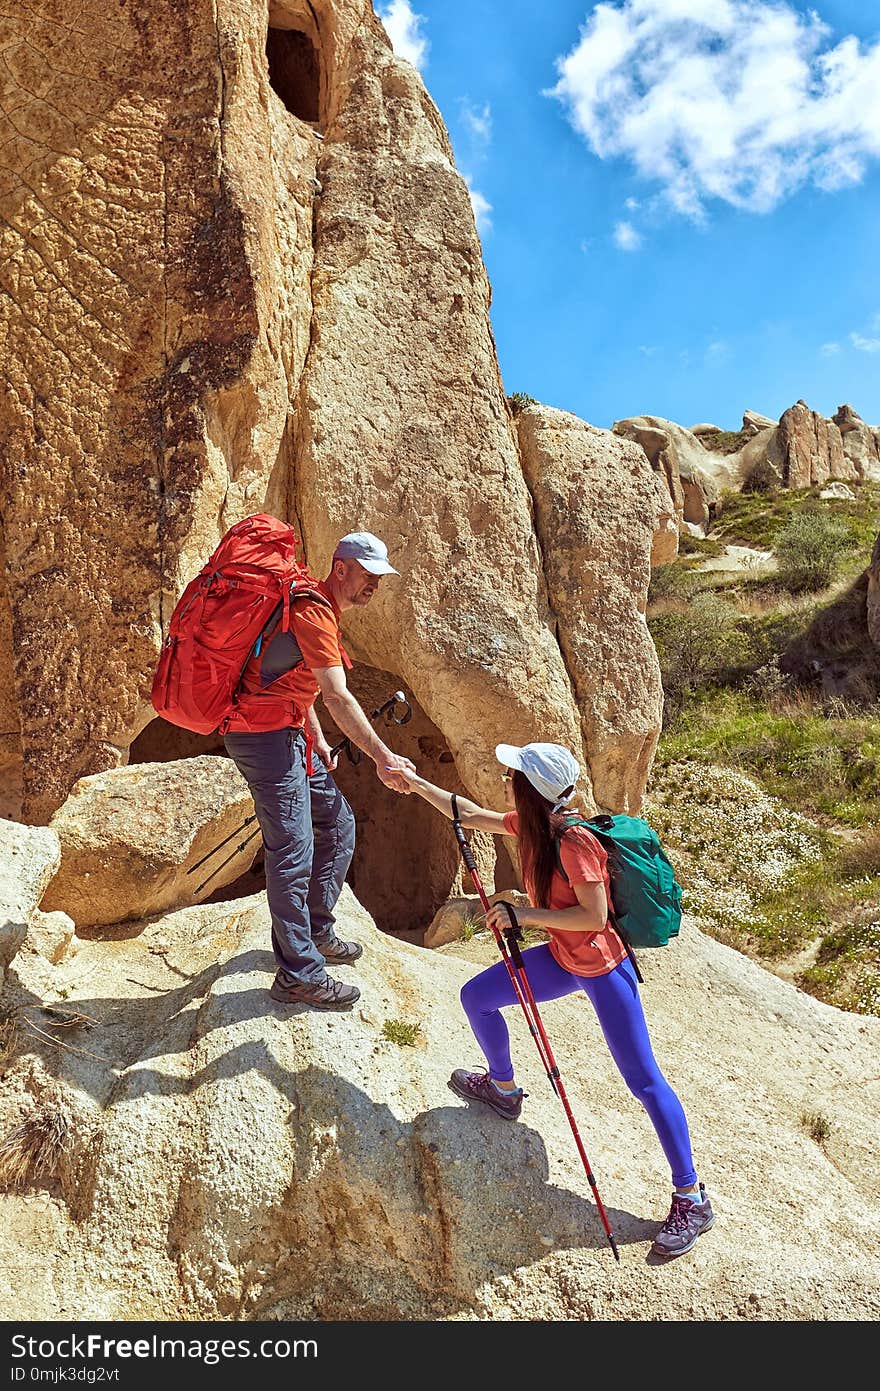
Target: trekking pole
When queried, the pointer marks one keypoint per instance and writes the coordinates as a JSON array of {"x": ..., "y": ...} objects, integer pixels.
[
  {"x": 237, "y": 851},
  {"x": 247, "y": 821},
  {"x": 523, "y": 991},
  {"x": 387, "y": 708}
]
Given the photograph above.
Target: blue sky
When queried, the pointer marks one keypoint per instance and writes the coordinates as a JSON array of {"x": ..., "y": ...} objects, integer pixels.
[{"x": 678, "y": 200}]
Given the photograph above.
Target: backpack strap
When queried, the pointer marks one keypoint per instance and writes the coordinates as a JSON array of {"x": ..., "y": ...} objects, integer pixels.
[
  {"x": 571, "y": 822},
  {"x": 595, "y": 825}
]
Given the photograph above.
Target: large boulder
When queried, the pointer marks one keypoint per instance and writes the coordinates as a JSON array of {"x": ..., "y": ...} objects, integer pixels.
[
  {"x": 597, "y": 504},
  {"x": 29, "y": 857},
  {"x": 754, "y": 423},
  {"x": 131, "y": 839}
]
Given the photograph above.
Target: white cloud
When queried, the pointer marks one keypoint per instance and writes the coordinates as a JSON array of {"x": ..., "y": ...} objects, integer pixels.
[
  {"x": 739, "y": 100},
  {"x": 717, "y": 352},
  {"x": 829, "y": 349},
  {"x": 626, "y": 238},
  {"x": 404, "y": 29},
  {"x": 481, "y": 206},
  {"x": 631, "y": 204},
  {"x": 478, "y": 120},
  {"x": 865, "y": 345}
]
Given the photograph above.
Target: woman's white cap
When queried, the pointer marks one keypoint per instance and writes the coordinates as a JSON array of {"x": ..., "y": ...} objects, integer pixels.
[{"x": 550, "y": 768}]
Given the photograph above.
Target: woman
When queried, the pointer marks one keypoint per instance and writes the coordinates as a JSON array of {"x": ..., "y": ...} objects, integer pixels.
[{"x": 584, "y": 953}]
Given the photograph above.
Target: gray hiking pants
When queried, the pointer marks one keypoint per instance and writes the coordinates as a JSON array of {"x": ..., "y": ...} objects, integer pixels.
[{"x": 308, "y": 837}]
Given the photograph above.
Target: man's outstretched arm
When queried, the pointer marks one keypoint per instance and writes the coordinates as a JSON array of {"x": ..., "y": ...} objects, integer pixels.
[{"x": 354, "y": 723}]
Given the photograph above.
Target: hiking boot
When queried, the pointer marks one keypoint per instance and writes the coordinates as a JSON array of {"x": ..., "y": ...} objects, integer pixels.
[
  {"x": 325, "y": 994},
  {"x": 333, "y": 948},
  {"x": 478, "y": 1086},
  {"x": 687, "y": 1219}
]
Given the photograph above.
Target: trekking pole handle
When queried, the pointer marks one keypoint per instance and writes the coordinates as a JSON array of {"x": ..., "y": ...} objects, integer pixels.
[
  {"x": 512, "y": 934},
  {"x": 388, "y": 707},
  {"x": 466, "y": 852}
]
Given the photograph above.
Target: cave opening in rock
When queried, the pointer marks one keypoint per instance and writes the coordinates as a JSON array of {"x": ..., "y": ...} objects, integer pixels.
[{"x": 295, "y": 73}]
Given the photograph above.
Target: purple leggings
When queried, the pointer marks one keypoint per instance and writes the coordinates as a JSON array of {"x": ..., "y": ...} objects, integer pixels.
[{"x": 615, "y": 998}]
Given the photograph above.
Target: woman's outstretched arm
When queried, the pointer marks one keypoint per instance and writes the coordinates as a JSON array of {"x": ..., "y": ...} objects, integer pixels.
[{"x": 475, "y": 818}]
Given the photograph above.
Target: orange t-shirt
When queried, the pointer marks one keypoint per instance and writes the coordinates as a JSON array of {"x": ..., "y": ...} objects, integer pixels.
[
  {"x": 278, "y": 686},
  {"x": 585, "y": 862}
]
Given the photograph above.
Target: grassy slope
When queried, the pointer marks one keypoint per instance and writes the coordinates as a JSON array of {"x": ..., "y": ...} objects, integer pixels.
[{"x": 781, "y": 690}]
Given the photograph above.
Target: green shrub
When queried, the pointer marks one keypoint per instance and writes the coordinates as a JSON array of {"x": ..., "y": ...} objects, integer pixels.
[
  {"x": 672, "y": 581},
  {"x": 763, "y": 478},
  {"x": 810, "y": 550},
  {"x": 697, "y": 646},
  {"x": 724, "y": 441},
  {"x": 399, "y": 1031},
  {"x": 470, "y": 925},
  {"x": 688, "y": 544},
  {"x": 518, "y": 400}
]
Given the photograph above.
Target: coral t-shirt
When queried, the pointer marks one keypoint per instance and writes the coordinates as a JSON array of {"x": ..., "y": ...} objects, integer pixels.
[
  {"x": 585, "y": 862},
  {"x": 278, "y": 686}
]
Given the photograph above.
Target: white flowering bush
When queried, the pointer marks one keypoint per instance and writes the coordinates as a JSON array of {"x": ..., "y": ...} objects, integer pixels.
[{"x": 730, "y": 843}]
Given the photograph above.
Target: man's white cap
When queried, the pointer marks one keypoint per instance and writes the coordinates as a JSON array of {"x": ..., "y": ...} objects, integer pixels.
[
  {"x": 550, "y": 768},
  {"x": 367, "y": 550}
]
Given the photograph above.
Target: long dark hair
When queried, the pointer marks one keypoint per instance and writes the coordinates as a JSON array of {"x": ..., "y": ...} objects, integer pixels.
[{"x": 539, "y": 826}]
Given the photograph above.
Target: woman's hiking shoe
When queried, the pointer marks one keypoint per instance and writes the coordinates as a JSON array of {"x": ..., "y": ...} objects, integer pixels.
[
  {"x": 325, "y": 994},
  {"x": 334, "y": 949},
  {"x": 478, "y": 1086},
  {"x": 687, "y": 1219}
]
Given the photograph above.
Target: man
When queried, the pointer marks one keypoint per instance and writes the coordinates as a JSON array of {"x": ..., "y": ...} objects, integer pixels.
[{"x": 276, "y": 741}]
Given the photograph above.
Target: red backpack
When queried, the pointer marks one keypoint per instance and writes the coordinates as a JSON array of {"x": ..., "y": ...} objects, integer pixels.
[{"x": 243, "y": 590}]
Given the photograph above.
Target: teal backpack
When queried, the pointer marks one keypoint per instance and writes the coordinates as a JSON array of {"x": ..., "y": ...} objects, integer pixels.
[{"x": 645, "y": 894}]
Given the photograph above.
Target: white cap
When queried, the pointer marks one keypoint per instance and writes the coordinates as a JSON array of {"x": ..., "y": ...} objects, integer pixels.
[
  {"x": 550, "y": 768},
  {"x": 367, "y": 550}
]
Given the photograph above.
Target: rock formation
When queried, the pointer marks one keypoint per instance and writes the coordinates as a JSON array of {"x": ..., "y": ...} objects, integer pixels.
[
  {"x": 680, "y": 458},
  {"x": 809, "y": 449},
  {"x": 596, "y": 513},
  {"x": 132, "y": 839},
  {"x": 861, "y": 443},
  {"x": 29, "y": 857},
  {"x": 220, "y": 1157},
  {"x": 262, "y": 289}
]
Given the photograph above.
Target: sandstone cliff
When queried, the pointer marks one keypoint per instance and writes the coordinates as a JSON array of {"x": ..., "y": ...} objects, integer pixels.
[{"x": 242, "y": 274}]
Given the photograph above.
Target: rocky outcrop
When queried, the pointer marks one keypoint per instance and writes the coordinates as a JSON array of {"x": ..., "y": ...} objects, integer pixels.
[
  {"x": 693, "y": 476},
  {"x": 132, "y": 838},
  {"x": 754, "y": 423},
  {"x": 289, "y": 314},
  {"x": 597, "y": 506},
  {"x": 29, "y": 857},
  {"x": 460, "y": 918},
  {"x": 809, "y": 449},
  {"x": 225, "y": 1158},
  {"x": 861, "y": 443}
]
